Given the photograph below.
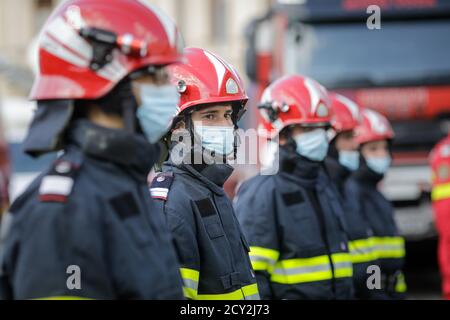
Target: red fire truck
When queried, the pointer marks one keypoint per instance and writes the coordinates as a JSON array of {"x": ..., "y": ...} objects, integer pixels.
[{"x": 401, "y": 68}]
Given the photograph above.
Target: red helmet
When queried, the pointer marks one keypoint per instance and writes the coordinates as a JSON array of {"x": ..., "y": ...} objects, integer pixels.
[
  {"x": 373, "y": 127},
  {"x": 87, "y": 46},
  {"x": 346, "y": 113},
  {"x": 205, "y": 78},
  {"x": 293, "y": 100}
]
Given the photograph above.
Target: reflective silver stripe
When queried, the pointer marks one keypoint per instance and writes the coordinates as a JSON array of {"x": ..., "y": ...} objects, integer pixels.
[
  {"x": 301, "y": 270},
  {"x": 253, "y": 297},
  {"x": 255, "y": 258},
  {"x": 342, "y": 265},
  {"x": 362, "y": 250},
  {"x": 188, "y": 283},
  {"x": 388, "y": 247}
]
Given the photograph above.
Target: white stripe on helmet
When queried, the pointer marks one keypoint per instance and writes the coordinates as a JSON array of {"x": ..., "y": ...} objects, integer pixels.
[
  {"x": 377, "y": 123},
  {"x": 350, "y": 105},
  {"x": 166, "y": 21},
  {"x": 56, "y": 49},
  {"x": 69, "y": 37},
  {"x": 314, "y": 94},
  {"x": 218, "y": 66}
]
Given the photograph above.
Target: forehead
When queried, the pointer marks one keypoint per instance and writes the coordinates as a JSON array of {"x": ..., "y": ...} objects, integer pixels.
[{"x": 377, "y": 144}]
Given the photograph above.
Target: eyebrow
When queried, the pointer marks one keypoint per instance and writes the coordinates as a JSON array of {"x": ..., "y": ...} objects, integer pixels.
[{"x": 214, "y": 111}]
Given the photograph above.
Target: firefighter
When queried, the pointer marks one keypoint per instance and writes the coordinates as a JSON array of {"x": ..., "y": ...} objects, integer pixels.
[
  {"x": 294, "y": 219},
  {"x": 342, "y": 160},
  {"x": 211, "y": 248},
  {"x": 87, "y": 227},
  {"x": 440, "y": 195},
  {"x": 374, "y": 136}
]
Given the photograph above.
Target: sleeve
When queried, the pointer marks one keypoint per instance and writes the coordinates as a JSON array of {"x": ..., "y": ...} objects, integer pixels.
[
  {"x": 256, "y": 212},
  {"x": 186, "y": 247},
  {"x": 54, "y": 251},
  {"x": 5, "y": 285}
]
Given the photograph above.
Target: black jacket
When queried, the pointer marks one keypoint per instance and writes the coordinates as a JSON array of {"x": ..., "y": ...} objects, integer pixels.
[
  {"x": 294, "y": 223},
  {"x": 212, "y": 250},
  {"x": 90, "y": 212}
]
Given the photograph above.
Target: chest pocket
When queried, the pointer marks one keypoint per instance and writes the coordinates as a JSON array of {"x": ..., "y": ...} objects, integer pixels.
[
  {"x": 127, "y": 209},
  {"x": 210, "y": 218},
  {"x": 300, "y": 222}
]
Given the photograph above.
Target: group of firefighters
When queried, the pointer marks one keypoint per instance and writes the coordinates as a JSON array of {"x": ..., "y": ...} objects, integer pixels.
[{"x": 118, "y": 94}]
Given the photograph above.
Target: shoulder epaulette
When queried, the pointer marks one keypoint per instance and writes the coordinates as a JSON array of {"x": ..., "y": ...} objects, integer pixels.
[
  {"x": 57, "y": 185},
  {"x": 160, "y": 186}
]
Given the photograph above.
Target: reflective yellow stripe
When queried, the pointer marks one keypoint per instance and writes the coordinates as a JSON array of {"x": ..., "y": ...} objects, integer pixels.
[
  {"x": 263, "y": 259},
  {"x": 389, "y": 247},
  {"x": 362, "y": 250},
  {"x": 440, "y": 192},
  {"x": 190, "y": 274},
  {"x": 400, "y": 285},
  {"x": 63, "y": 298},
  {"x": 343, "y": 267},
  {"x": 190, "y": 282},
  {"x": 189, "y": 293},
  {"x": 302, "y": 270},
  {"x": 240, "y": 294},
  {"x": 251, "y": 291}
]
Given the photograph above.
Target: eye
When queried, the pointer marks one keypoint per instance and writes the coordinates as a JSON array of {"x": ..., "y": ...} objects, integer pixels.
[
  {"x": 208, "y": 116},
  {"x": 228, "y": 116}
]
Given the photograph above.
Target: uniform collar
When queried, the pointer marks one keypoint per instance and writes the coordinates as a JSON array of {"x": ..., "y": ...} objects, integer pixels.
[
  {"x": 294, "y": 166},
  {"x": 337, "y": 172},
  {"x": 367, "y": 176},
  {"x": 212, "y": 176},
  {"x": 116, "y": 146}
]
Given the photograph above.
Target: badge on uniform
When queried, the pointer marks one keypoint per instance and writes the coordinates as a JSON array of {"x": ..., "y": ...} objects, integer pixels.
[
  {"x": 160, "y": 185},
  {"x": 57, "y": 185}
]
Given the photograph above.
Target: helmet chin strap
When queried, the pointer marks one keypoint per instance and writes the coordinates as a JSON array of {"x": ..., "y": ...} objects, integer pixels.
[{"x": 129, "y": 107}]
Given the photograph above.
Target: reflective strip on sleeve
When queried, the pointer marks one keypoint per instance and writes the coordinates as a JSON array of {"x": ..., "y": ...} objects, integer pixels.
[
  {"x": 389, "y": 247},
  {"x": 263, "y": 259},
  {"x": 190, "y": 282},
  {"x": 303, "y": 270},
  {"x": 342, "y": 263},
  {"x": 362, "y": 250},
  {"x": 294, "y": 271},
  {"x": 441, "y": 192},
  {"x": 249, "y": 292}
]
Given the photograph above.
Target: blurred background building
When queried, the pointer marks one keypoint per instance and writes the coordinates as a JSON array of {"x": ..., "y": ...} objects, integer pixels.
[
  {"x": 217, "y": 25},
  {"x": 214, "y": 24}
]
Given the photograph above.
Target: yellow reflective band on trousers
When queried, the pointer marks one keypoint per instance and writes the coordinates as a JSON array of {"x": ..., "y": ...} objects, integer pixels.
[
  {"x": 303, "y": 270},
  {"x": 362, "y": 250},
  {"x": 190, "y": 288},
  {"x": 389, "y": 247},
  {"x": 440, "y": 192},
  {"x": 263, "y": 259},
  {"x": 249, "y": 292}
]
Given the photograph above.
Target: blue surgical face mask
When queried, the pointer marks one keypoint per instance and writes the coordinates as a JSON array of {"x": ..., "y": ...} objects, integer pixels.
[
  {"x": 349, "y": 159},
  {"x": 157, "y": 109},
  {"x": 217, "y": 139},
  {"x": 379, "y": 165},
  {"x": 312, "y": 145}
]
